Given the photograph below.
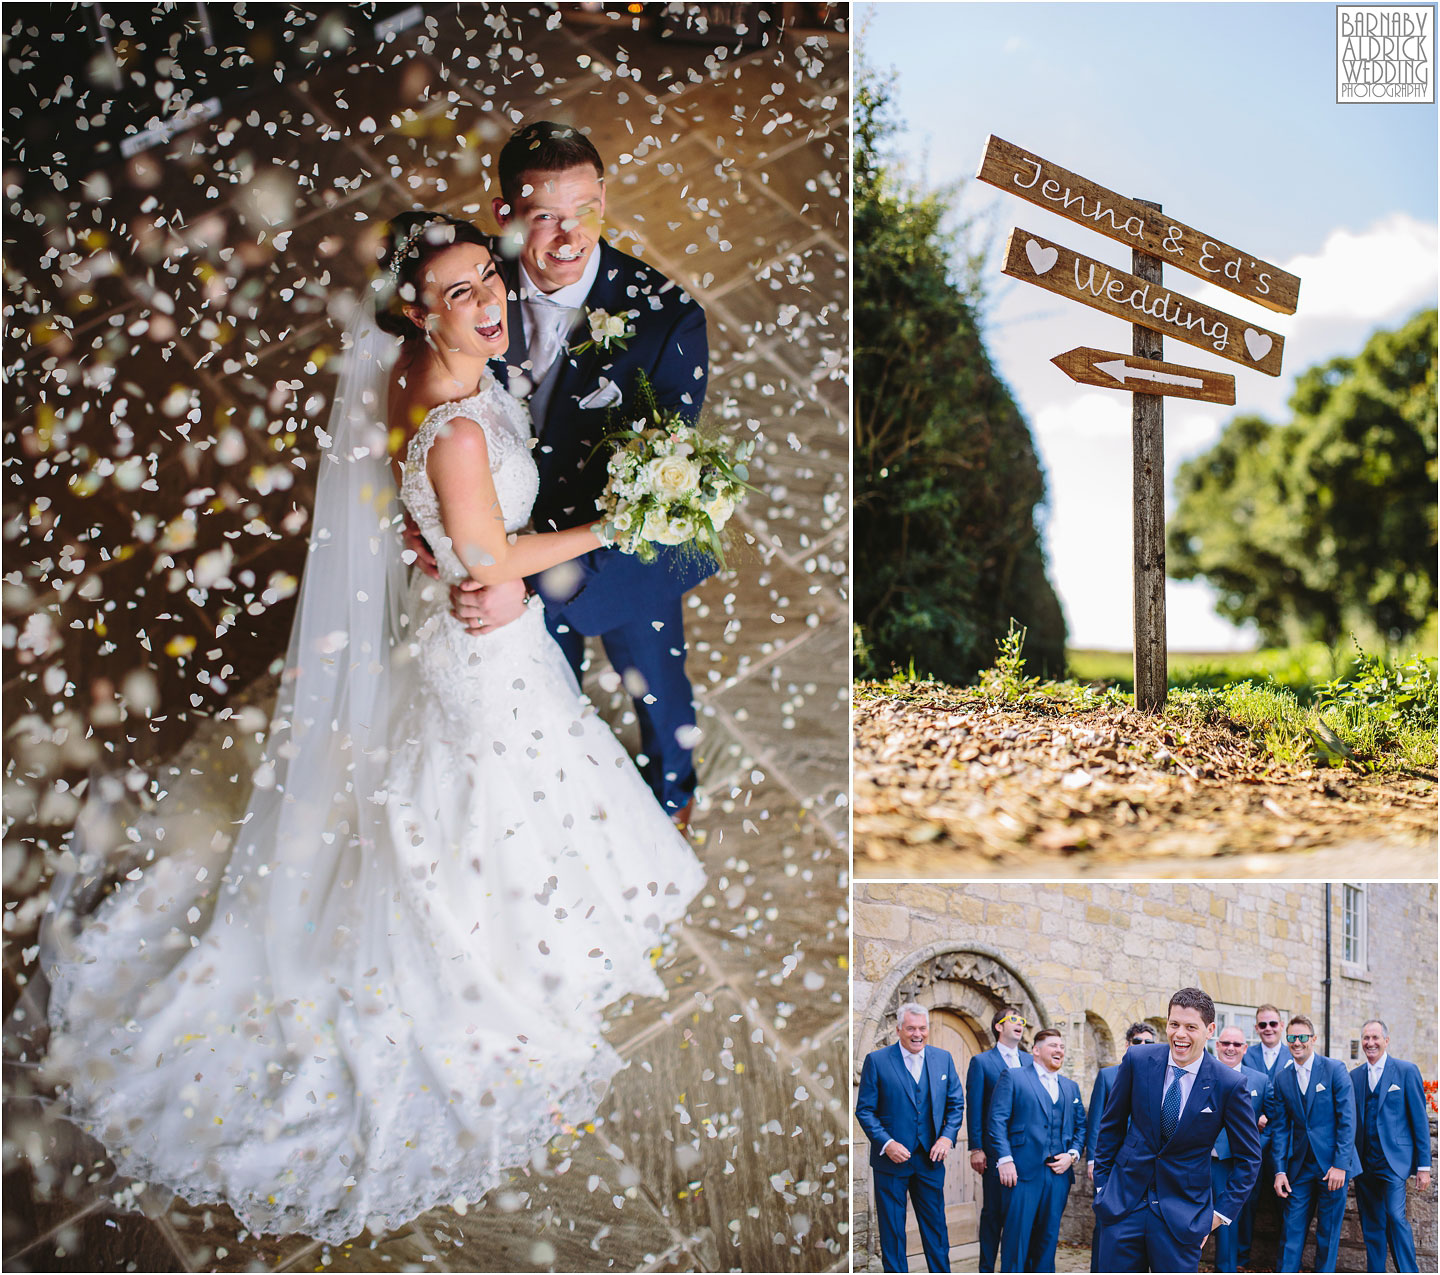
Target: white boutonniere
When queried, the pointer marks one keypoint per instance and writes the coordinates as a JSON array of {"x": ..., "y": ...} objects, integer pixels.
[{"x": 608, "y": 330}]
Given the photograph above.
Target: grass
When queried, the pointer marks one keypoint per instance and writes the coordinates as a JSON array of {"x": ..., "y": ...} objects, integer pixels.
[{"x": 1307, "y": 705}]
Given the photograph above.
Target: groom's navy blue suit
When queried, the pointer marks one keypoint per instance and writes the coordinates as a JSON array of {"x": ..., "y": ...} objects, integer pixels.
[
  {"x": 635, "y": 608},
  {"x": 890, "y": 1106},
  {"x": 1154, "y": 1201}
]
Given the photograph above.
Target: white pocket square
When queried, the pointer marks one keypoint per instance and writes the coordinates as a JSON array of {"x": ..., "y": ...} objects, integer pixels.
[
  {"x": 1207, "y": 1111},
  {"x": 1319, "y": 1088},
  {"x": 1254, "y": 1093},
  {"x": 606, "y": 396},
  {"x": 1392, "y": 1088}
]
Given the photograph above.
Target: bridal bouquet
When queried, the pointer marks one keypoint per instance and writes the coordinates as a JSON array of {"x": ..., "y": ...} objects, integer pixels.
[{"x": 671, "y": 484}]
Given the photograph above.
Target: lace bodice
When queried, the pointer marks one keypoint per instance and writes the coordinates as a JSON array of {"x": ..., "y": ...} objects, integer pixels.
[{"x": 507, "y": 433}]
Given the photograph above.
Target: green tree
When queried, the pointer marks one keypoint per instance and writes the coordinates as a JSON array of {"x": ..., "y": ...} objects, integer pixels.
[
  {"x": 946, "y": 479},
  {"x": 1324, "y": 525}
]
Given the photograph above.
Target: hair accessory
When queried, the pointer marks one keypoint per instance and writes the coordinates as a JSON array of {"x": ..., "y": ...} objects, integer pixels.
[{"x": 405, "y": 244}]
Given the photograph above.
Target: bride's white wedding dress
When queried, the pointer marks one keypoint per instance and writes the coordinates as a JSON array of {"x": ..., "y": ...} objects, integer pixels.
[{"x": 392, "y": 1012}]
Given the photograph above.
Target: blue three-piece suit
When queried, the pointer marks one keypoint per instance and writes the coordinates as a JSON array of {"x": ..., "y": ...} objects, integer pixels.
[
  {"x": 1029, "y": 1127},
  {"x": 635, "y": 608},
  {"x": 890, "y": 1106},
  {"x": 1392, "y": 1141}
]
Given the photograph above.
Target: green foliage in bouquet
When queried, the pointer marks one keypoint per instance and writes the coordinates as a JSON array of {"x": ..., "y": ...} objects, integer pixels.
[{"x": 671, "y": 482}]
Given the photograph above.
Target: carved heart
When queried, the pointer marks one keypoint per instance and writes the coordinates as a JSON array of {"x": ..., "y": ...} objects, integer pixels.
[
  {"x": 1041, "y": 259},
  {"x": 1257, "y": 344}
]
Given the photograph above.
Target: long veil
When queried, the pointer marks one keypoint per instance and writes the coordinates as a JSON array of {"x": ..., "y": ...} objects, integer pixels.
[{"x": 318, "y": 786}]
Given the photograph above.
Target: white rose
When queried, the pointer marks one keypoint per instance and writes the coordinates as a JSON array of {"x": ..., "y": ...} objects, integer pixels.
[
  {"x": 613, "y": 326},
  {"x": 719, "y": 509},
  {"x": 672, "y": 477},
  {"x": 655, "y": 526},
  {"x": 677, "y": 531}
]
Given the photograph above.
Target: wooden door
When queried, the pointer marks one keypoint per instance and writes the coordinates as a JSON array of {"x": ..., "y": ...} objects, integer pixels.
[{"x": 950, "y": 1032}]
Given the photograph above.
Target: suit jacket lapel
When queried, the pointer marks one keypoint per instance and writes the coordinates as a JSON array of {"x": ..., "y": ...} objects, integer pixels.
[
  {"x": 1201, "y": 1091},
  {"x": 1386, "y": 1080},
  {"x": 1157, "y": 1095},
  {"x": 910, "y": 1087}
]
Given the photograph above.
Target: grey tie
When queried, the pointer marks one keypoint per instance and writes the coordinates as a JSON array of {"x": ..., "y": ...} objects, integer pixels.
[{"x": 549, "y": 333}]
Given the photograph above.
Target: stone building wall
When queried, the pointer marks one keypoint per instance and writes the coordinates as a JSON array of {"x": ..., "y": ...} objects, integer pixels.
[{"x": 1092, "y": 958}]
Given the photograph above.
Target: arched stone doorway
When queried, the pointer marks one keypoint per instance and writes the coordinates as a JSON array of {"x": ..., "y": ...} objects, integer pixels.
[{"x": 962, "y": 985}]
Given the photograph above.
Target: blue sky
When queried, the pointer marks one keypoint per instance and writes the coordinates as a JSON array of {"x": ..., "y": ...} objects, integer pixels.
[{"x": 1225, "y": 113}]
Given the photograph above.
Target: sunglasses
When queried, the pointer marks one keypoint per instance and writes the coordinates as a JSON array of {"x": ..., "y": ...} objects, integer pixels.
[
  {"x": 1299, "y": 1039},
  {"x": 1272, "y": 1023},
  {"x": 1012, "y": 1018}
]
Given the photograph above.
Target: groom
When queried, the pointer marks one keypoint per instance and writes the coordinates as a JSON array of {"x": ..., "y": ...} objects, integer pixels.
[
  {"x": 1167, "y": 1108},
  {"x": 551, "y": 211}
]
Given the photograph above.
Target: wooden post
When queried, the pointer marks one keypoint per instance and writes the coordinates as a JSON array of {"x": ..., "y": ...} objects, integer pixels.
[{"x": 1147, "y": 444}]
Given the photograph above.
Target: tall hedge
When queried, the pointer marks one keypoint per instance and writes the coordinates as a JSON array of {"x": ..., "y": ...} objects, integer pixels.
[{"x": 946, "y": 478}]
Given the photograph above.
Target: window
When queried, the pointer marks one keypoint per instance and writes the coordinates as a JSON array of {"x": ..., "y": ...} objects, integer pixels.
[
  {"x": 1352, "y": 943},
  {"x": 1241, "y": 1016}
]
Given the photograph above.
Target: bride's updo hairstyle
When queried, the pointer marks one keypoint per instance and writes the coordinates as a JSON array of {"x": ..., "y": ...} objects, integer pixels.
[{"x": 413, "y": 238}]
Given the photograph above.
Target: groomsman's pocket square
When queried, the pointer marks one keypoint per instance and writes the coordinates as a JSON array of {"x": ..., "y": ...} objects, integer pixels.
[
  {"x": 1319, "y": 1088},
  {"x": 1208, "y": 1111},
  {"x": 1254, "y": 1093},
  {"x": 606, "y": 396},
  {"x": 1392, "y": 1088}
]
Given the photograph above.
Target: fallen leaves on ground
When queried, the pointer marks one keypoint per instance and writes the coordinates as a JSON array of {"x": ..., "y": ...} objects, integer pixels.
[{"x": 948, "y": 783}]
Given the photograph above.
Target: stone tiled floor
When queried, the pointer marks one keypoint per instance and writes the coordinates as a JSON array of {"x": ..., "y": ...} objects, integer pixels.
[{"x": 201, "y": 280}]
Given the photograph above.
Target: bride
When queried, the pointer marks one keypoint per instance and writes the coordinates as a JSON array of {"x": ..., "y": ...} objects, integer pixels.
[{"x": 381, "y": 988}]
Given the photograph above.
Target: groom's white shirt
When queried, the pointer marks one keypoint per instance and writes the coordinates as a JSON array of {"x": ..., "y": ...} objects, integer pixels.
[{"x": 1268, "y": 1054}]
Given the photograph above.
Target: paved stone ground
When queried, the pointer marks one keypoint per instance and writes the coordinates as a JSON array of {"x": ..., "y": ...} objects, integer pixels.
[{"x": 190, "y": 282}]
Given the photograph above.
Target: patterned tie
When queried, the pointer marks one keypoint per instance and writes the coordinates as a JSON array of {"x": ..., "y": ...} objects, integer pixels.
[{"x": 1170, "y": 1107}]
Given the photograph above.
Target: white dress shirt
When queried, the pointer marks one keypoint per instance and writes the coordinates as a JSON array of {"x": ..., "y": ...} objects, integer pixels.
[
  {"x": 1009, "y": 1054},
  {"x": 549, "y": 316},
  {"x": 1376, "y": 1070},
  {"x": 1268, "y": 1054}
]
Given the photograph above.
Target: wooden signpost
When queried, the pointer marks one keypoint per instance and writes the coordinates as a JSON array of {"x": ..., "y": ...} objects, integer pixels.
[
  {"x": 1112, "y": 371},
  {"x": 1127, "y": 296},
  {"x": 1154, "y": 312},
  {"x": 1137, "y": 225}
]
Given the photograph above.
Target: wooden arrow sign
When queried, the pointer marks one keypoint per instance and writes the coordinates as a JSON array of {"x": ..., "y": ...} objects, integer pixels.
[
  {"x": 1114, "y": 371},
  {"x": 1126, "y": 296},
  {"x": 1139, "y": 227}
]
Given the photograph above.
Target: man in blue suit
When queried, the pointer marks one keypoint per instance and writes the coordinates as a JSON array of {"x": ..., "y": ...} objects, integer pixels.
[
  {"x": 1312, "y": 1128},
  {"x": 1154, "y": 1201},
  {"x": 1007, "y": 1027},
  {"x": 577, "y": 385},
  {"x": 1268, "y": 1055},
  {"x": 1230, "y": 1050},
  {"x": 1135, "y": 1034},
  {"x": 910, "y": 1106},
  {"x": 1392, "y": 1137},
  {"x": 1037, "y": 1127}
]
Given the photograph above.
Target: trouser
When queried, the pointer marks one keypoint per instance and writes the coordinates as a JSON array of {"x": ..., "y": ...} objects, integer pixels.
[
  {"x": 651, "y": 662},
  {"x": 1032, "y": 1222},
  {"x": 1140, "y": 1241},
  {"x": 1309, "y": 1198},
  {"x": 1381, "y": 1198},
  {"x": 926, "y": 1191},
  {"x": 1227, "y": 1238},
  {"x": 992, "y": 1217}
]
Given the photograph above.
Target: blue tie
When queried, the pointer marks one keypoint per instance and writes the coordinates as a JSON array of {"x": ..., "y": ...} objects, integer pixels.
[{"x": 1170, "y": 1106}]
